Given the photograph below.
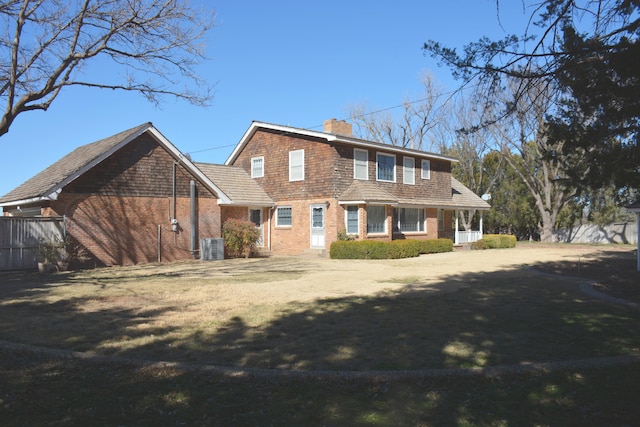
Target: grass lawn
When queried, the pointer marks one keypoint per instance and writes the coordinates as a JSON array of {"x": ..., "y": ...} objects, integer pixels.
[{"x": 289, "y": 314}]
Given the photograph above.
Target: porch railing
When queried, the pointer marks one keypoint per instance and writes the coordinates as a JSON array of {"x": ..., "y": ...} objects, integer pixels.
[{"x": 467, "y": 237}]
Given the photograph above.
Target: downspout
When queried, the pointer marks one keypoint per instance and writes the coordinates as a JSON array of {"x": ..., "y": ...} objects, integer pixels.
[
  {"x": 269, "y": 231},
  {"x": 194, "y": 217},
  {"x": 457, "y": 233},
  {"x": 174, "y": 190}
]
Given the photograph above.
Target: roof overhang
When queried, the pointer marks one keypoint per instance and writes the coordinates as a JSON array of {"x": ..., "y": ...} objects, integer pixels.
[{"x": 329, "y": 137}]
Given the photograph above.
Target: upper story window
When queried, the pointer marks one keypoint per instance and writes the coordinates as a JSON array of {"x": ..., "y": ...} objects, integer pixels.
[
  {"x": 360, "y": 164},
  {"x": 257, "y": 167},
  {"x": 426, "y": 169},
  {"x": 408, "y": 170},
  {"x": 386, "y": 167},
  {"x": 296, "y": 165}
]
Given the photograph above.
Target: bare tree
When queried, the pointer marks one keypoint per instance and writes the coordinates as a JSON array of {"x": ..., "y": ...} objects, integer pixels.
[
  {"x": 47, "y": 45},
  {"x": 470, "y": 148},
  {"x": 538, "y": 159},
  {"x": 413, "y": 127}
]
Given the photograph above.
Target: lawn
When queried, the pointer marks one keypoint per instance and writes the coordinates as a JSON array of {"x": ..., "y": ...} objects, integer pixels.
[{"x": 302, "y": 335}]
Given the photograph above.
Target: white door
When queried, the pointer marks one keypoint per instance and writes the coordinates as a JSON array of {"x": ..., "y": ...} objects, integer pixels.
[
  {"x": 317, "y": 226},
  {"x": 255, "y": 216}
]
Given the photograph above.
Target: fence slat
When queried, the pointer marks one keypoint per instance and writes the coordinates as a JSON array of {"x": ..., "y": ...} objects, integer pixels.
[{"x": 20, "y": 237}]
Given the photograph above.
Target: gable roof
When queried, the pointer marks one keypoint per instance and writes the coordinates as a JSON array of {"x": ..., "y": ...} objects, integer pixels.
[
  {"x": 237, "y": 184},
  {"x": 47, "y": 184},
  {"x": 329, "y": 137}
]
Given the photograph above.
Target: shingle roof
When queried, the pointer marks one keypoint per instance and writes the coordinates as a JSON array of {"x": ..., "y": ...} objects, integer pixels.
[
  {"x": 236, "y": 183},
  {"x": 368, "y": 192},
  {"x": 53, "y": 178}
]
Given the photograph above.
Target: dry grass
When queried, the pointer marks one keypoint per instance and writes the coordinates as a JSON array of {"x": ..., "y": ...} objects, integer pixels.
[{"x": 290, "y": 313}]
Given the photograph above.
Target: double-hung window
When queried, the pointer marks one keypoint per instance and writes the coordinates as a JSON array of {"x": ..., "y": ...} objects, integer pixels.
[
  {"x": 408, "y": 220},
  {"x": 296, "y": 165},
  {"x": 257, "y": 167},
  {"x": 351, "y": 219},
  {"x": 283, "y": 216},
  {"x": 426, "y": 169},
  {"x": 408, "y": 170},
  {"x": 360, "y": 164},
  {"x": 386, "y": 167},
  {"x": 376, "y": 219}
]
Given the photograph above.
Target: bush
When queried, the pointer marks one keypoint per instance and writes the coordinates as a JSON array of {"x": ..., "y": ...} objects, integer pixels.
[
  {"x": 373, "y": 249},
  {"x": 495, "y": 241},
  {"x": 240, "y": 237}
]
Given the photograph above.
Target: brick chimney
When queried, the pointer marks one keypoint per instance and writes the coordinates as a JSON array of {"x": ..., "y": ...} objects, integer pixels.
[{"x": 339, "y": 127}]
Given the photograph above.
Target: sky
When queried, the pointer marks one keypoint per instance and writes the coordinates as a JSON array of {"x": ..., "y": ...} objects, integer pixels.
[{"x": 292, "y": 62}]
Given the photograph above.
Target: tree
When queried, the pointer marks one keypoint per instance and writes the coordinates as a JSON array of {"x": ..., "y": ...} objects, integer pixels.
[
  {"x": 587, "y": 50},
  {"x": 537, "y": 157},
  {"x": 412, "y": 129},
  {"x": 48, "y": 45}
]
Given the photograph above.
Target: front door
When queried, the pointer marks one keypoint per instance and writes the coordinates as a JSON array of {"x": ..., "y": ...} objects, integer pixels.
[
  {"x": 317, "y": 226},
  {"x": 255, "y": 216}
]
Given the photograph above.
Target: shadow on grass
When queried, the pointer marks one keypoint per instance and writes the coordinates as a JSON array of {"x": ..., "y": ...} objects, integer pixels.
[{"x": 479, "y": 319}]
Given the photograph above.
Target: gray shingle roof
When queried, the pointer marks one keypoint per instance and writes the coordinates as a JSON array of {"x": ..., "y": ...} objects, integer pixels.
[
  {"x": 65, "y": 170},
  {"x": 370, "y": 192},
  {"x": 236, "y": 183},
  {"x": 366, "y": 191}
]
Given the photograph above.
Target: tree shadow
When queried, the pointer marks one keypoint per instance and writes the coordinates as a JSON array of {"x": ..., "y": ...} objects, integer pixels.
[{"x": 465, "y": 320}]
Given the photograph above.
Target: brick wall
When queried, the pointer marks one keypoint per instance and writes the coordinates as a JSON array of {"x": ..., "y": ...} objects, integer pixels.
[{"x": 114, "y": 209}]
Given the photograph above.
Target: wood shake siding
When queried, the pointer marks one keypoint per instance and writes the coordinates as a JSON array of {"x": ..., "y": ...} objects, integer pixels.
[
  {"x": 115, "y": 208},
  {"x": 438, "y": 187},
  {"x": 275, "y": 147}
]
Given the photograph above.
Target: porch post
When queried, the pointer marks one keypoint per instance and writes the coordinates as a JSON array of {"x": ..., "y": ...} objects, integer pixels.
[
  {"x": 481, "y": 232},
  {"x": 457, "y": 234}
]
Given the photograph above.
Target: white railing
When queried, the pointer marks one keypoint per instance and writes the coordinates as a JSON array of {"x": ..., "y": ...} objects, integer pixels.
[{"x": 467, "y": 237}]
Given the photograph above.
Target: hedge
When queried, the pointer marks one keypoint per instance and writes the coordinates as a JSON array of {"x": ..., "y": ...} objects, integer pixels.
[
  {"x": 373, "y": 249},
  {"x": 495, "y": 241}
]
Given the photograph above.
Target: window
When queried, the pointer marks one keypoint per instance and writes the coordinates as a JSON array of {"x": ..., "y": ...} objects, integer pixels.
[
  {"x": 283, "y": 217},
  {"x": 426, "y": 169},
  {"x": 352, "y": 220},
  {"x": 360, "y": 164},
  {"x": 440, "y": 220},
  {"x": 376, "y": 218},
  {"x": 408, "y": 170},
  {"x": 296, "y": 165},
  {"x": 408, "y": 220},
  {"x": 386, "y": 167},
  {"x": 257, "y": 167}
]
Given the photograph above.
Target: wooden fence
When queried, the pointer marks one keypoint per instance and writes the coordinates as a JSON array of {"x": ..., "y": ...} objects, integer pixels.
[{"x": 21, "y": 236}]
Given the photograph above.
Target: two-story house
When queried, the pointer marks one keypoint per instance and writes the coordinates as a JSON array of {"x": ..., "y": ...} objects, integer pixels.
[{"x": 327, "y": 183}]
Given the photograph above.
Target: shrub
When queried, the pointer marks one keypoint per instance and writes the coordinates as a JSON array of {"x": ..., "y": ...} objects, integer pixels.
[
  {"x": 373, "y": 249},
  {"x": 240, "y": 237},
  {"x": 495, "y": 241}
]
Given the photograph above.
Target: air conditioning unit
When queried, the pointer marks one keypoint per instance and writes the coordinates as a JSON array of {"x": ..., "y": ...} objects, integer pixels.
[{"x": 211, "y": 249}]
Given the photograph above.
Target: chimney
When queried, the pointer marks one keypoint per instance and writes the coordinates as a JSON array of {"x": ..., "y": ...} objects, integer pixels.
[{"x": 339, "y": 127}]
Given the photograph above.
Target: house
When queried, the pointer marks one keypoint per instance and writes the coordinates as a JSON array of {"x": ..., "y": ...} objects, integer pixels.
[
  {"x": 327, "y": 183},
  {"x": 135, "y": 198}
]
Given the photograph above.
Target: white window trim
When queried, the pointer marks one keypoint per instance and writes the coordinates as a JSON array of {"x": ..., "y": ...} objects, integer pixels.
[
  {"x": 394, "y": 167},
  {"x": 409, "y": 171},
  {"x": 385, "y": 225},
  {"x": 277, "y": 217},
  {"x": 366, "y": 164},
  {"x": 292, "y": 153},
  {"x": 426, "y": 175},
  {"x": 346, "y": 220},
  {"x": 420, "y": 224},
  {"x": 253, "y": 159}
]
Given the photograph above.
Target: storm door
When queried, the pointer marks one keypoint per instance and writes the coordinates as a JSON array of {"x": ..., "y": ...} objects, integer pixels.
[{"x": 317, "y": 226}]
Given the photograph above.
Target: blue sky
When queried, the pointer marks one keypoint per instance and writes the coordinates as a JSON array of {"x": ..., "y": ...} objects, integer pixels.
[{"x": 287, "y": 62}]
